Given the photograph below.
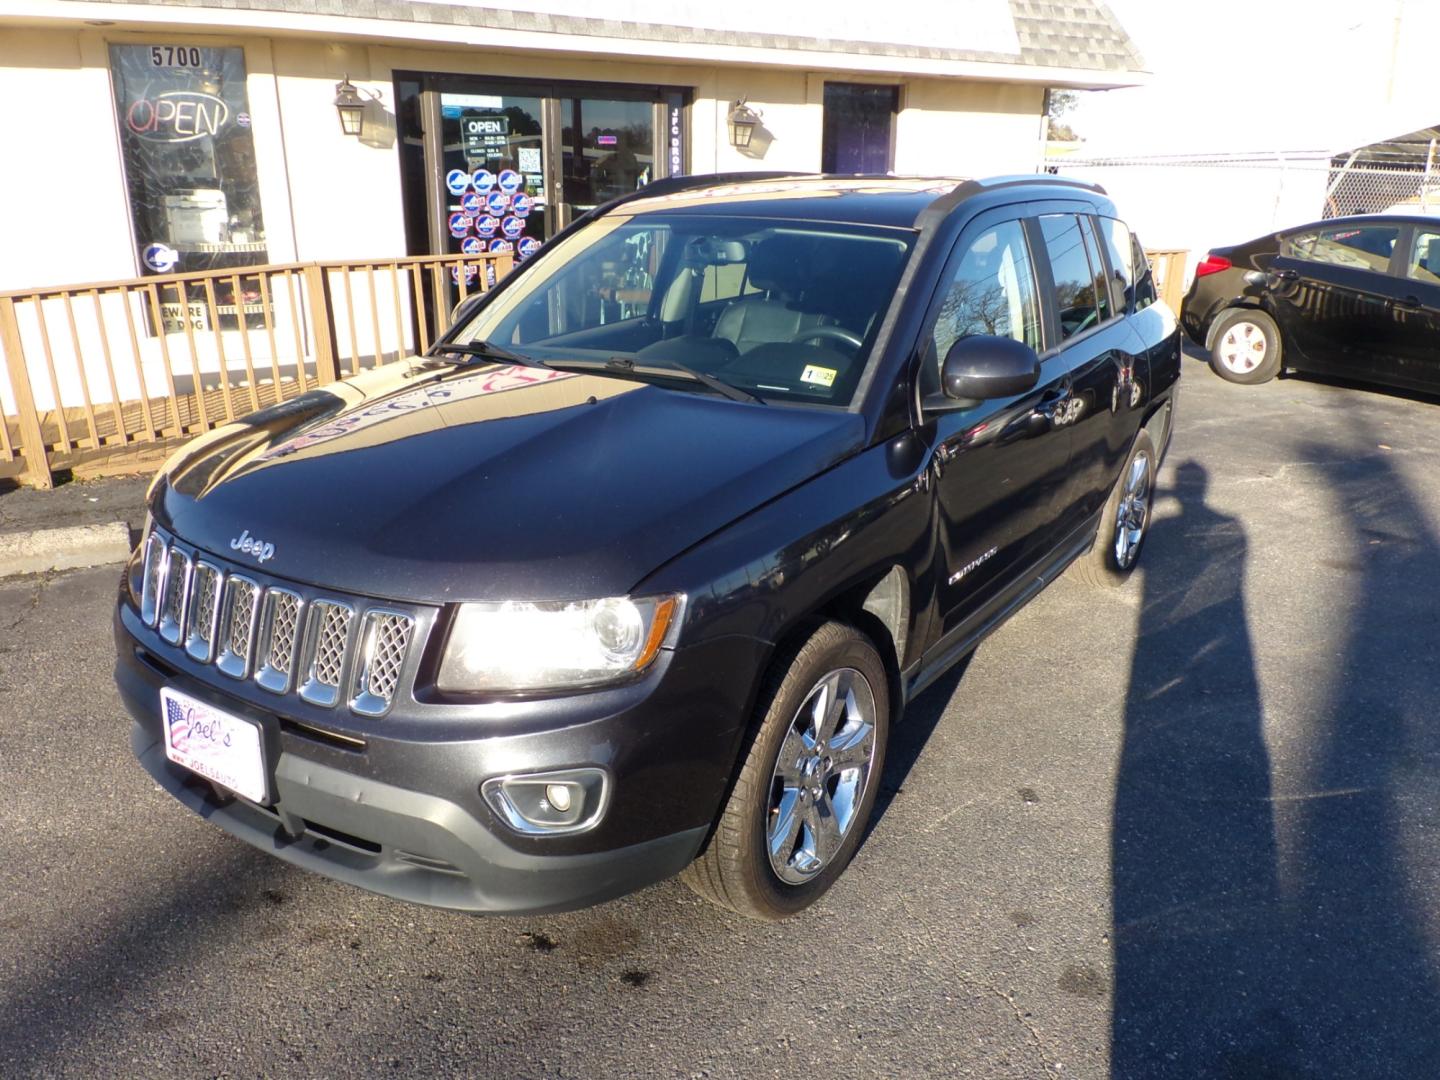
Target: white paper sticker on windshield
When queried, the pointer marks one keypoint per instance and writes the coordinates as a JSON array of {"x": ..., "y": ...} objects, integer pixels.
[{"x": 820, "y": 376}]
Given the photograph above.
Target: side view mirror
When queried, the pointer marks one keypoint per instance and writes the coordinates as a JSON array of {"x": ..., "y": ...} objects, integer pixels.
[
  {"x": 464, "y": 307},
  {"x": 982, "y": 367}
]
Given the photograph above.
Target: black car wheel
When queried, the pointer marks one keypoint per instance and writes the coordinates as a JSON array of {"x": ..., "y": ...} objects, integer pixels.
[
  {"x": 1247, "y": 347},
  {"x": 808, "y": 785},
  {"x": 1124, "y": 522}
]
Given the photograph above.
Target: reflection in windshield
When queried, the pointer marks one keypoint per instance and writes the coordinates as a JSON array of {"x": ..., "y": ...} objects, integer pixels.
[{"x": 784, "y": 310}]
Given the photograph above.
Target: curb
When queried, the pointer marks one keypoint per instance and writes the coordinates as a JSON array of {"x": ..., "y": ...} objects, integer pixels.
[{"x": 39, "y": 550}]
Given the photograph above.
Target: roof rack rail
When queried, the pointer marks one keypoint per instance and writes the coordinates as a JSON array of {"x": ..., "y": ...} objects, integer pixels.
[
  {"x": 968, "y": 188},
  {"x": 670, "y": 185}
]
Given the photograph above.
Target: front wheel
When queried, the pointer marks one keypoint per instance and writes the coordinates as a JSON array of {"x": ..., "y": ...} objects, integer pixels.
[
  {"x": 1125, "y": 521},
  {"x": 808, "y": 785}
]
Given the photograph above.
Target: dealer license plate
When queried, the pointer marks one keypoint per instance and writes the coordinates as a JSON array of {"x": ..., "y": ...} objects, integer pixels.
[{"x": 218, "y": 746}]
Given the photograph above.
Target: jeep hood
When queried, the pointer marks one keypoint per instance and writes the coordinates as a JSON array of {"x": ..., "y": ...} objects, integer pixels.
[{"x": 435, "y": 484}]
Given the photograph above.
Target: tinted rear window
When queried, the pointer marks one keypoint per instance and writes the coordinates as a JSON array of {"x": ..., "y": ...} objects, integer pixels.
[{"x": 1076, "y": 299}]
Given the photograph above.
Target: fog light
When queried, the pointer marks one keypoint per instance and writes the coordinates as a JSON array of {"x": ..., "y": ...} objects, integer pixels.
[{"x": 546, "y": 803}]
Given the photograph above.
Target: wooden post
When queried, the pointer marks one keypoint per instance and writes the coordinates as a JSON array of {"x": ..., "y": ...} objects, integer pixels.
[
  {"x": 317, "y": 288},
  {"x": 32, "y": 439}
]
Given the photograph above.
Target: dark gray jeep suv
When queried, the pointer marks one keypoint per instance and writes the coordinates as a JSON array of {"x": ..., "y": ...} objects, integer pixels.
[{"x": 633, "y": 572}]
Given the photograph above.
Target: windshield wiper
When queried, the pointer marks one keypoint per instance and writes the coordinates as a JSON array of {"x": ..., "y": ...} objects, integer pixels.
[
  {"x": 485, "y": 350},
  {"x": 624, "y": 368}
]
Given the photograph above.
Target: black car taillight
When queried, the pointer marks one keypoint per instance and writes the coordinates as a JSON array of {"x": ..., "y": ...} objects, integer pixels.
[{"x": 1212, "y": 264}]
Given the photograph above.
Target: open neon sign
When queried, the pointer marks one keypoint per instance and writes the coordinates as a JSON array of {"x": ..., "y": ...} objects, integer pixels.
[{"x": 177, "y": 116}]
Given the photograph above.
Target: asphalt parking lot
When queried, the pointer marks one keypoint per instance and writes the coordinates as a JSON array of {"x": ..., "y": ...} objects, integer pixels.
[{"x": 1185, "y": 828}]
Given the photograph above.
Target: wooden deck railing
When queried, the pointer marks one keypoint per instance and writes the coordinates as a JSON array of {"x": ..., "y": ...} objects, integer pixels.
[
  {"x": 1169, "y": 269},
  {"x": 114, "y": 369},
  {"x": 121, "y": 366}
]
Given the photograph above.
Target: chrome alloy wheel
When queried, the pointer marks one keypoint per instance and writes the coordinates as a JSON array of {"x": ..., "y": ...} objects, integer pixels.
[
  {"x": 1133, "y": 515},
  {"x": 820, "y": 776},
  {"x": 1243, "y": 347}
]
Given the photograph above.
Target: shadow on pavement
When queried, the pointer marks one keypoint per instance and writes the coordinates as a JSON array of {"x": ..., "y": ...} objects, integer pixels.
[
  {"x": 104, "y": 975},
  {"x": 1264, "y": 933}
]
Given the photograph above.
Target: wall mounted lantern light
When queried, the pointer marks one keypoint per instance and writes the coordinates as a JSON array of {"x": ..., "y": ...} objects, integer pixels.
[
  {"x": 743, "y": 122},
  {"x": 350, "y": 105}
]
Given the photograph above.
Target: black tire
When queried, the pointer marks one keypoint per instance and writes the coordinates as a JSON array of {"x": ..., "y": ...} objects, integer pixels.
[
  {"x": 735, "y": 869},
  {"x": 1103, "y": 565},
  {"x": 1247, "y": 348}
]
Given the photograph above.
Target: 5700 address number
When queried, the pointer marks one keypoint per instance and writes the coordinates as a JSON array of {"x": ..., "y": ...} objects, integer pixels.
[{"x": 174, "y": 56}]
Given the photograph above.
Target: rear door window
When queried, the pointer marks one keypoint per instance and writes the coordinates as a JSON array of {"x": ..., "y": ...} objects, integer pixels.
[
  {"x": 724, "y": 282},
  {"x": 1145, "y": 279},
  {"x": 1077, "y": 300},
  {"x": 1121, "y": 250},
  {"x": 1097, "y": 268},
  {"x": 1359, "y": 247}
]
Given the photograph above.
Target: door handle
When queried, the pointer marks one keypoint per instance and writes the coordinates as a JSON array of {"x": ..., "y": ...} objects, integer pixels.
[
  {"x": 1052, "y": 401},
  {"x": 1407, "y": 302}
]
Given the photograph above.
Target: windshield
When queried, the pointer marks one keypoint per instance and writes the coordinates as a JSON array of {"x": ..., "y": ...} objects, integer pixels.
[{"x": 784, "y": 310}]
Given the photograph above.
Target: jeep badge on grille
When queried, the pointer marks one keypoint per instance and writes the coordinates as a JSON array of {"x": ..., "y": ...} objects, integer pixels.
[{"x": 248, "y": 545}]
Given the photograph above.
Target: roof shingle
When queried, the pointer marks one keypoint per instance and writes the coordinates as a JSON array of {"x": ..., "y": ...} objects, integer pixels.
[{"x": 1077, "y": 34}]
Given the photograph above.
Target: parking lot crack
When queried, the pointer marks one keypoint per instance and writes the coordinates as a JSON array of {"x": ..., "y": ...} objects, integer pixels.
[{"x": 28, "y": 608}]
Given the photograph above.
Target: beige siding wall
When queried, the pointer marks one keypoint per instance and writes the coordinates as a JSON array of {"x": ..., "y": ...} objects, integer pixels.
[
  {"x": 63, "y": 209},
  {"x": 968, "y": 128},
  {"x": 63, "y": 214}
]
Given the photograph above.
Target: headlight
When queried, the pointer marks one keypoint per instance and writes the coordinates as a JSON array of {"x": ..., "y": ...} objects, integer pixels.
[{"x": 548, "y": 646}]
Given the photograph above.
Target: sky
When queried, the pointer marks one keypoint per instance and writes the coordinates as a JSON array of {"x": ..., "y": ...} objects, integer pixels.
[{"x": 1266, "y": 74}]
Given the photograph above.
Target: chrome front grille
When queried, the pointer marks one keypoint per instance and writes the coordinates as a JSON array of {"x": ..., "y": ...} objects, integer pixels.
[
  {"x": 284, "y": 640},
  {"x": 204, "y": 611},
  {"x": 281, "y": 625},
  {"x": 382, "y": 653},
  {"x": 329, "y": 636},
  {"x": 153, "y": 580},
  {"x": 237, "y": 626},
  {"x": 176, "y": 592}
]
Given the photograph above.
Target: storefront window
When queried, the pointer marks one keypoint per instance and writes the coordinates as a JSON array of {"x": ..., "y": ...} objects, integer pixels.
[
  {"x": 609, "y": 149},
  {"x": 190, "y": 168},
  {"x": 189, "y": 156}
]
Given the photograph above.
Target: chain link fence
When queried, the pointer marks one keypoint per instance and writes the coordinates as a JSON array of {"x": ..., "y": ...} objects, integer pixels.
[
  {"x": 1195, "y": 203},
  {"x": 1371, "y": 189}
]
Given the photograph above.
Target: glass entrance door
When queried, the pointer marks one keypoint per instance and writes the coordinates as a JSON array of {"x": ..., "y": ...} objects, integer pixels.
[
  {"x": 496, "y": 195},
  {"x": 496, "y": 165},
  {"x": 607, "y": 149}
]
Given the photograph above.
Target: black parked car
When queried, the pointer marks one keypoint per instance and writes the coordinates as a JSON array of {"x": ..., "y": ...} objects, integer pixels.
[
  {"x": 634, "y": 572},
  {"x": 1355, "y": 298}
]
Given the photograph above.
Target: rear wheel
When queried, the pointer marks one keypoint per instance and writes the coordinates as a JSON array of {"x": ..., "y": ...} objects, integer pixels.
[
  {"x": 808, "y": 785},
  {"x": 1247, "y": 347},
  {"x": 1124, "y": 522}
]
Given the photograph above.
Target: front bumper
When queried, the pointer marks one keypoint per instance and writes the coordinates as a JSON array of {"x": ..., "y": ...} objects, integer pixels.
[
  {"x": 410, "y": 845},
  {"x": 403, "y": 815}
]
